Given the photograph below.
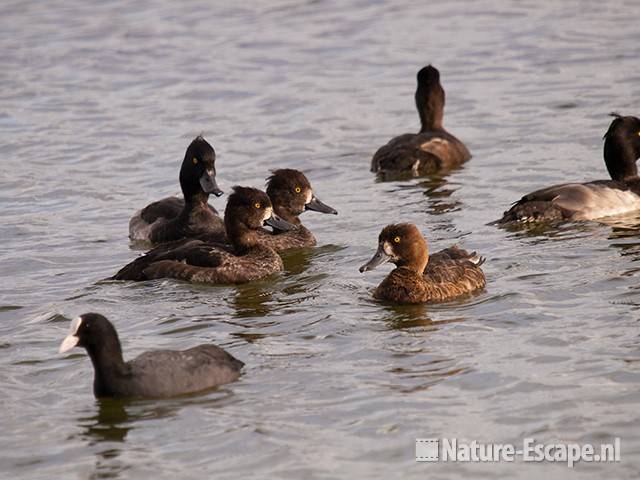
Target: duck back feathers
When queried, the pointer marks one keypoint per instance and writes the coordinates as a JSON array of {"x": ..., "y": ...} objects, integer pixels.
[{"x": 433, "y": 148}]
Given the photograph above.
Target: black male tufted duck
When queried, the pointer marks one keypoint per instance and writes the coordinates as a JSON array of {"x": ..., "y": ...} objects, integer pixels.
[
  {"x": 418, "y": 276},
  {"x": 248, "y": 209},
  {"x": 600, "y": 198},
  {"x": 158, "y": 373},
  {"x": 173, "y": 218},
  {"x": 430, "y": 150}
]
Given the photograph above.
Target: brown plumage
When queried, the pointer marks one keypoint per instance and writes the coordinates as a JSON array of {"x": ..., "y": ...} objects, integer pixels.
[
  {"x": 248, "y": 209},
  {"x": 430, "y": 150},
  {"x": 419, "y": 277},
  {"x": 291, "y": 195}
]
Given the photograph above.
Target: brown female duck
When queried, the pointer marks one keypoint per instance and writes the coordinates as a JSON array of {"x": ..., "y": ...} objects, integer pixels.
[
  {"x": 590, "y": 200},
  {"x": 173, "y": 218},
  {"x": 419, "y": 277},
  {"x": 248, "y": 209},
  {"x": 291, "y": 195},
  {"x": 431, "y": 149}
]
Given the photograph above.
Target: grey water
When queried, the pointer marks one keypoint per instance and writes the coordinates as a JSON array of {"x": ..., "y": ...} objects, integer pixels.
[{"x": 98, "y": 101}]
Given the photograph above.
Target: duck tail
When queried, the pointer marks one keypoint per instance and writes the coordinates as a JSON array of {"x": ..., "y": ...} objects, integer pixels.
[{"x": 476, "y": 259}]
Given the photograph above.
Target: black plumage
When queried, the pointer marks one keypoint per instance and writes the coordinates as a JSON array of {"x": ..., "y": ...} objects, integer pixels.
[{"x": 158, "y": 373}]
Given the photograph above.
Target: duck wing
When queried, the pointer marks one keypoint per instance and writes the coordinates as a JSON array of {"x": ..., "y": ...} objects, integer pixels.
[
  {"x": 215, "y": 264},
  {"x": 167, "y": 208},
  {"x": 574, "y": 201},
  {"x": 455, "y": 271},
  {"x": 420, "y": 154},
  {"x": 185, "y": 251}
]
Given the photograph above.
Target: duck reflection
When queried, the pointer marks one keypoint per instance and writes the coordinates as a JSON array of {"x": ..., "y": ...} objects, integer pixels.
[
  {"x": 412, "y": 316},
  {"x": 257, "y": 299},
  {"x": 407, "y": 316},
  {"x": 436, "y": 188}
]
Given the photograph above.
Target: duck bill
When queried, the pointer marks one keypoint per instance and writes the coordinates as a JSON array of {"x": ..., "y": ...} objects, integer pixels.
[
  {"x": 317, "y": 206},
  {"x": 68, "y": 343},
  {"x": 279, "y": 224},
  {"x": 378, "y": 259},
  {"x": 209, "y": 184}
]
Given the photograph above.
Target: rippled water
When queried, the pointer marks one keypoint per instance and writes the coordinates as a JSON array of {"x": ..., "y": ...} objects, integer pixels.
[{"x": 98, "y": 101}]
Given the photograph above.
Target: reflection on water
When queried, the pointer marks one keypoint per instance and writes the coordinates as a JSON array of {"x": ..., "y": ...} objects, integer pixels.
[{"x": 109, "y": 423}]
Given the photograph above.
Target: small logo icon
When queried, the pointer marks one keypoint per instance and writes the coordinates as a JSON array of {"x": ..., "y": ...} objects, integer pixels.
[{"x": 427, "y": 449}]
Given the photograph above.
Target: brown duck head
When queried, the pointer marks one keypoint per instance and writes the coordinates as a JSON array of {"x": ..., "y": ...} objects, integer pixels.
[
  {"x": 292, "y": 194},
  {"x": 248, "y": 210},
  {"x": 402, "y": 244}
]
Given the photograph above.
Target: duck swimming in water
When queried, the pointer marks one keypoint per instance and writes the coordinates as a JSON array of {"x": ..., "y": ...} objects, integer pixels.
[
  {"x": 248, "y": 209},
  {"x": 431, "y": 149},
  {"x": 591, "y": 200},
  {"x": 291, "y": 195},
  {"x": 418, "y": 276},
  {"x": 173, "y": 218},
  {"x": 158, "y": 373}
]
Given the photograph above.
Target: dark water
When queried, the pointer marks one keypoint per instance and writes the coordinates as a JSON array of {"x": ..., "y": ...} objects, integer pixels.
[{"x": 98, "y": 101}]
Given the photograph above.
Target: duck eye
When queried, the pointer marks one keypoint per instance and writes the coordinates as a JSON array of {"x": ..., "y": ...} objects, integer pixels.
[
  {"x": 257, "y": 205},
  {"x": 298, "y": 189},
  {"x": 195, "y": 161},
  {"x": 396, "y": 240}
]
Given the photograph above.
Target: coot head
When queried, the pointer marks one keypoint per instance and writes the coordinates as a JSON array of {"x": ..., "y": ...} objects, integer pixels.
[{"x": 93, "y": 332}]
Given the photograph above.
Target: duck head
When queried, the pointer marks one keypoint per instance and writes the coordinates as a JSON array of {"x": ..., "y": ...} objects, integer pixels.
[
  {"x": 291, "y": 194},
  {"x": 248, "y": 210},
  {"x": 402, "y": 244},
  {"x": 430, "y": 99},
  {"x": 198, "y": 171},
  {"x": 622, "y": 147}
]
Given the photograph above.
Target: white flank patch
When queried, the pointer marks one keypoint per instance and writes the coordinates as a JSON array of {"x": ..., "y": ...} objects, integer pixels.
[{"x": 590, "y": 201}]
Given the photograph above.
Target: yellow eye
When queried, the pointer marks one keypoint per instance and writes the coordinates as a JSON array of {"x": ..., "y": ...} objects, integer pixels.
[
  {"x": 257, "y": 205},
  {"x": 396, "y": 239},
  {"x": 298, "y": 189},
  {"x": 639, "y": 134},
  {"x": 195, "y": 161}
]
